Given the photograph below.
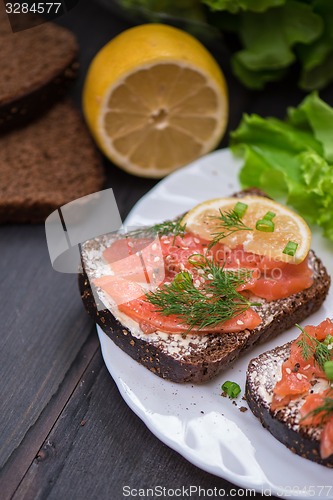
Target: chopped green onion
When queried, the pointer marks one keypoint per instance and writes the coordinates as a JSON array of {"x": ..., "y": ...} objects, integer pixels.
[
  {"x": 231, "y": 389},
  {"x": 328, "y": 369},
  {"x": 328, "y": 340},
  {"x": 240, "y": 209},
  {"x": 269, "y": 216},
  {"x": 181, "y": 279},
  {"x": 265, "y": 225},
  {"x": 290, "y": 248}
]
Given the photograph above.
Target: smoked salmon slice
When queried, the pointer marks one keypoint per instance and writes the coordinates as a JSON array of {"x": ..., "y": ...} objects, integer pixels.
[
  {"x": 326, "y": 440},
  {"x": 130, "y": 298},
  {"x": 299, "y": 373},
  {"x": 139, "y": 265}
]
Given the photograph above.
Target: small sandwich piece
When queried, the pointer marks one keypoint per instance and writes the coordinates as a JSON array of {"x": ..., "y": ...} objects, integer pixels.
[
  {"x": 187, "y": 297},
  {"x": 47, "y": 164},
  {"x": 290, "y": 389},
  {"x": 37, "y": 67}
]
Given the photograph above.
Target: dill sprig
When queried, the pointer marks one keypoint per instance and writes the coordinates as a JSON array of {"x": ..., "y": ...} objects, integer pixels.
[
  {"x": 214, "y": 302},
  {"x": 168, "y": 227},
  {"x": 174, "y": 227},
  {"x": 325, "y": 409},
  {"x": 229, "y": 222},
  {"x": 313, "y": 347}
]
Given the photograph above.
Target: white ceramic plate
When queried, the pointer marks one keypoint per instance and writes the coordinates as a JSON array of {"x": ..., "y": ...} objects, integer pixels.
[{"x": 207, "y": 429}]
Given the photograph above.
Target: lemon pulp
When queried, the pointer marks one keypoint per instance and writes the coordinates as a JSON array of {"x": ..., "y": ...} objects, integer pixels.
[
  {"x": 155, "y": 100},
  {"x": 204, "y": 221}
]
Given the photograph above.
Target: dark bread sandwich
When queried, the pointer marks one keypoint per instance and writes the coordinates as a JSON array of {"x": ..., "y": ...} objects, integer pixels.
[
  {"x": 37, "y": 67},
  {"x": 290, "y": 390},
  {"x": 215, "y": 302}
]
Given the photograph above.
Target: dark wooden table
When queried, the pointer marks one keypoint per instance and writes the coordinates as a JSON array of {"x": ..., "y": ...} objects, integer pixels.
[{"x": 65, "y": 431}]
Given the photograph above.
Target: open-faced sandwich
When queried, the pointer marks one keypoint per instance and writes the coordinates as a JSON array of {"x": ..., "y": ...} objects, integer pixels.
[
  {"x": 187, "y": 297},
  {"x": 290, "y": 389}
]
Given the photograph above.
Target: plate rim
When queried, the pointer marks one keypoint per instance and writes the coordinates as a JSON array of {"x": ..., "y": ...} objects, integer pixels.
[{"x": 104, "y": 339}]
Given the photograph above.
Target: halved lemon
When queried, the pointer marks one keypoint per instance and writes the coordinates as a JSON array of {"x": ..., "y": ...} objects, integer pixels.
[
  {"x": 288, "y": 241},
  {"x": 155, "y": 99}
]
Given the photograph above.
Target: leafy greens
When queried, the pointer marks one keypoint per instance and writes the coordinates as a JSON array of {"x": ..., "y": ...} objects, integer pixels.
[
  {"x": 292, "y": 159},
  {"x": 273, "y": 34}
]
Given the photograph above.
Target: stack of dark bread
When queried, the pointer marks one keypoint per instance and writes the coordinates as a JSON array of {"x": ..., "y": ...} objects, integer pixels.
[{"x": 47, "y": 157}]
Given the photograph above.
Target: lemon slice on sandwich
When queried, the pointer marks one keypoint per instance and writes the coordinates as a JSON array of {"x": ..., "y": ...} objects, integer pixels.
[{"x": 266, "y": 227}]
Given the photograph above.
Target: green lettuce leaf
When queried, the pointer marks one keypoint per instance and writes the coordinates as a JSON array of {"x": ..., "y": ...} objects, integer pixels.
[
  {"x": 255, "y": 79},
  {"x": 275, "y": 34},
  {"x": 256, "y": 130},
  {"x": 320, "y": 76},
  {"x": 281, "y": 28},
  {"x": 291, "y": 160},
  {"x": 239, "y": 5},
  {"x": 317, "y": 58},
  {"x": 319, "y": 116}
]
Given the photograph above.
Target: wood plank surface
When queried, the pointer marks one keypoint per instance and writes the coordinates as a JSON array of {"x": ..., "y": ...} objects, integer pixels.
[
  {"x": 99, "y": 446},
  {"x": 16, "y": 467},
  {"x": 43, "y": 327}
]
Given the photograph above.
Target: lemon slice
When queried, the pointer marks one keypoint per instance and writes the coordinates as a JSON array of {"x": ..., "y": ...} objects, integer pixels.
[
  {"x": 155, "y": 99},
  {"x": 289, "y": 228}
]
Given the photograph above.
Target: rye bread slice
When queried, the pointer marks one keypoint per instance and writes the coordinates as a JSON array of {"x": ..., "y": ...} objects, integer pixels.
[
  {"x": 262, "y": 374},
  {"x": 37, "y": 67},
  {"x": 197, "y": 357},
  {"x": 47, "y": 164}
]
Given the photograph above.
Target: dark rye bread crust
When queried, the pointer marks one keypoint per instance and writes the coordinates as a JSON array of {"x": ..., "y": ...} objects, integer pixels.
[
  {"x": 199, "y": 363},
  {"x": 47, "y": 164},
  {"x": 38, "y": 66},
  {"x": 263, "y": 372}
]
